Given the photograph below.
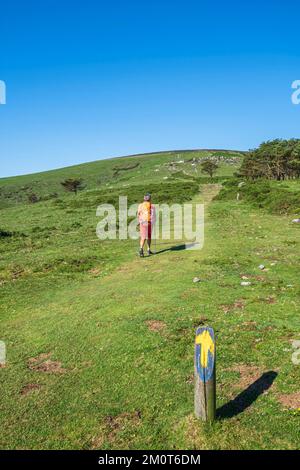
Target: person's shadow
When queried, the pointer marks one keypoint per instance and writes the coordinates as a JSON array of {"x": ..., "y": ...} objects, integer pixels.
[
  {"x": 245, "y": 399},
  {"x": 172, "y": 248}
]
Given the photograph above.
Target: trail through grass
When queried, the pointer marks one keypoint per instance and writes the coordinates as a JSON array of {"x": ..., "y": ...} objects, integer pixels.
[{"x": 108, "y": 362}]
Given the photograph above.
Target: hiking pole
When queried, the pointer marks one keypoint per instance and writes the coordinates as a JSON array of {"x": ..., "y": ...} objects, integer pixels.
[{"x": 154, "y": 239}]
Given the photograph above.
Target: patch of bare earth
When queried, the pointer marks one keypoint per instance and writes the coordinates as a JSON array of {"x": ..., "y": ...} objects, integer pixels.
[
  {"x": 260, "y": 278},
  {"x": 248, "y": 326},
  {"x": 98, "y": 441},
  {"x": 114, "y": 426},
  {"x": 95, "y": 271},
  {"x": 29, "y": 388},
  {"x": 188, "y": 293},
  {"x": 155, "y": 325},
  {"x": 290, "y": 400},
  {"x": 237, "y": 305},
  {"x": 248, "y": 374},
  {"x": 270, "y": 300},
  {"x": 17, "y": 272},
  {"x": 43, "y": 363}
]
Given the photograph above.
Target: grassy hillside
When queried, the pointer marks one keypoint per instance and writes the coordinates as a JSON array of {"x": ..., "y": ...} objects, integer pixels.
[
  {"x": 100, "y": 342},
  {"x": 272, "y": 196},
  {"x": 104, "y": 174}
]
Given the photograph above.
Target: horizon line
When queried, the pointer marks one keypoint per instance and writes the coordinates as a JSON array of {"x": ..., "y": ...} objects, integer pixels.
[{"x": 134, "y": 155}]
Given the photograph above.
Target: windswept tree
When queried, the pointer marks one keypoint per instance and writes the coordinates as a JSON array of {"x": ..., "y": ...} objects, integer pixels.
[
  {"x": 276, "y": 159},
  {"x": 209, "y": 167},
  {"x": 72, "y": 185}
]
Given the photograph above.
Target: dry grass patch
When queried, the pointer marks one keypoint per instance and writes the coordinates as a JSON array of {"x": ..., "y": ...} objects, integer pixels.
[
  {"x": 270, "y": 300},
  {"x": 248, "y": 374},
  {"x": 95, "y": 271},
  {"x": 43, "y": 363},
  {"x": 29, "y": 388},
  {"x": 98, "y": 441},
  {"x": 114, "y": 426},
  {"x": 290, "y": 400},
  {"x": 155, "y": 325},
  {"x": 248, "y": 326},
  {"x": 237, "y": 305}
]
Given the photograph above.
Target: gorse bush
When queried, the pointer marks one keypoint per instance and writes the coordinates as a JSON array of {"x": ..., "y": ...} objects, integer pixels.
[
  {"x": 168, "y": 193},
  {"x": 273, "y": 197},
  {"x": 33, "y": 198}
]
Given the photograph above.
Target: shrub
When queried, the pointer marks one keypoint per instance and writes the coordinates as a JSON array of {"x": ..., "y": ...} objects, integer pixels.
[
  {"x": 72, "y": 185},
  {"x": 33, "y": 198},
  {"x": 271, "y": 196}
]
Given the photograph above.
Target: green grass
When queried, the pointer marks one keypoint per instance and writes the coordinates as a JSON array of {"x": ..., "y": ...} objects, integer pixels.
[
  {"x": 88, "y": 304},
  {"x": 272, "y": 196},
  {"x": 107, "y": 174}
]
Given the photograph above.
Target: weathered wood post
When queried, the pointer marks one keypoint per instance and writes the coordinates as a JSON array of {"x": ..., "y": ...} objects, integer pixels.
[{"x": 205, "y": 374}]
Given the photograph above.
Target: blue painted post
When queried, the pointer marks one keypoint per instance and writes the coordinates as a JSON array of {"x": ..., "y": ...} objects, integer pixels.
[{"x": 205, "y": 374}]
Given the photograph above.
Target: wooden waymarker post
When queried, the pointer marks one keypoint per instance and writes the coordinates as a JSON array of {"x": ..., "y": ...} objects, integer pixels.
[{"x": 205, "y": 374}]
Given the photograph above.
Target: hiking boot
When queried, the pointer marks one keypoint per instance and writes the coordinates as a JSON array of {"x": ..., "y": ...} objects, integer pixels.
[{"x": 141, "y": 253}]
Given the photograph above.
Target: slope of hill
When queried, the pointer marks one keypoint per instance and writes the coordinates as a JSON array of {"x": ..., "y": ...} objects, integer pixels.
[
  {"x": 100, "y": 343},
  {"x": 103, "y": 174}
]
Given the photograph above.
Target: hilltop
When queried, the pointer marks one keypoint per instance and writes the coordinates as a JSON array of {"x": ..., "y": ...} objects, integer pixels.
[{"x": 108, "y": 173}]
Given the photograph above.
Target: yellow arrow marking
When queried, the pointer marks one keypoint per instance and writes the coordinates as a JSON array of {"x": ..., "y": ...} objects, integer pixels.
[{"x": 207, "y": 344}]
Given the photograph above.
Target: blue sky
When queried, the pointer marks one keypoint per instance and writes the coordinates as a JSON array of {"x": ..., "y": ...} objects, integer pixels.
[{"x": 94, "y": 79}]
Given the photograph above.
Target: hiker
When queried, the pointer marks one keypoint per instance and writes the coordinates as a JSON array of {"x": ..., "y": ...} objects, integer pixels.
[{"x": 146, "y": 218}]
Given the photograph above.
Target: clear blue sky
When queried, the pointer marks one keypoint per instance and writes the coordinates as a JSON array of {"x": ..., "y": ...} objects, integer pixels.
[{"x": 92, "y": 79}]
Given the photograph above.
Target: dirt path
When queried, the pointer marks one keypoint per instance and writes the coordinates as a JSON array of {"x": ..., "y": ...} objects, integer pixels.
[
  {"x": 159, "y": 264},
  {"x": 209, "y": 192}
]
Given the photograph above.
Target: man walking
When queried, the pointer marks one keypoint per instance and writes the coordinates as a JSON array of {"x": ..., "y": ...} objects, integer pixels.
[{"x": 146, "y": 218}]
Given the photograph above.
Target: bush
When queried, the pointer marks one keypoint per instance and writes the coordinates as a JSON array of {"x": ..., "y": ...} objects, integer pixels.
[
  {"x": 33, "y": 198},
  {"x": 274, "y": 197},
  {"x": 168, "y": 193}
]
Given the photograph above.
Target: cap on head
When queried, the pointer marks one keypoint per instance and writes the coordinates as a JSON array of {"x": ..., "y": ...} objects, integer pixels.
[{"x": 147, "y": 197}]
